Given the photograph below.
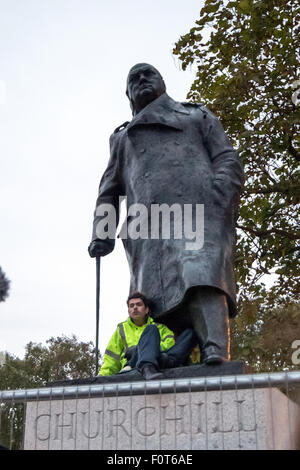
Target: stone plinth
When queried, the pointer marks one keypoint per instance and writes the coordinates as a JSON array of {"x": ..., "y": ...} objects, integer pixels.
[
  {"x": 230, "y": 419},
  {"x": 198, "y": 370}
]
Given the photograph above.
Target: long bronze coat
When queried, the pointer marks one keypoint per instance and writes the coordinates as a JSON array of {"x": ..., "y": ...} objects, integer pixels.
[{"x": 176, "y": 153}]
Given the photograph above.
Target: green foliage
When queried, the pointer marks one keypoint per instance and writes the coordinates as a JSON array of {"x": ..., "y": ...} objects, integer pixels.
[
  {"x": 63, "y": 358},
  {"x": 247, "y": 58},
  {"x": 265, "y": 341},
  {"x": 4, "y": 286}
]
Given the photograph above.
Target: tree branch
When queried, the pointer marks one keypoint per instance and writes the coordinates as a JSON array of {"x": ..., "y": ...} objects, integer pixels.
[
  {"x": 293, "y": 151},
  {"x": 273, "y": 189},
  {"x": 262, "y": 233}
]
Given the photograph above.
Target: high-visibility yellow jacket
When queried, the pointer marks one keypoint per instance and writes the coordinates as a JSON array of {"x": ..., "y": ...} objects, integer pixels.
[{"x": 127, "y": 335}]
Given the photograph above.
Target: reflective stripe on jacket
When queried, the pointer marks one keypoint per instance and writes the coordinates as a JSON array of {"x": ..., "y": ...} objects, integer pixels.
[{"x": 126, "y": 336}]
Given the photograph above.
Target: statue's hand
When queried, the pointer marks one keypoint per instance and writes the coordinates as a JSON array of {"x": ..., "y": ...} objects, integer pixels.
[
  {"x": 100, "y": 248},
  {"x": 222, "y": 196}
]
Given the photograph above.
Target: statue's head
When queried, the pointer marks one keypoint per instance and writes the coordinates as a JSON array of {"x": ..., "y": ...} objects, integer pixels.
[{"x": 144, "y": 84}]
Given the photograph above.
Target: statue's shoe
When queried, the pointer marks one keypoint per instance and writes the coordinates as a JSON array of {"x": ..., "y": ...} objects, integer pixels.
[
  {"x": 214, "y": 359},
  {"x": 213, "y": 355}
]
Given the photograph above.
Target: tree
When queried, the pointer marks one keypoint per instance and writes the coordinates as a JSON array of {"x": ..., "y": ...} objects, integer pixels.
[
  {"x": 63, "y": 358},
  {"x": 246, "y": 53},
  {"x": 271, "y": 342},
  {"x": 4, "y": 286}
]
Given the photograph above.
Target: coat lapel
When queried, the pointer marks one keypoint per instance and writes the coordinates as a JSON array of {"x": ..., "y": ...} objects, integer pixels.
[{"x": 162, "y": 111}]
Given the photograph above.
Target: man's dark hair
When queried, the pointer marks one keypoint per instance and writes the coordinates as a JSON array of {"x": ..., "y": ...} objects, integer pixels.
[{"x": 138, "y": 295}]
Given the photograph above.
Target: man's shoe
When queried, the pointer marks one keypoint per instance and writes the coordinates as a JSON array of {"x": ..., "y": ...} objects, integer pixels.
[
  {"x": 166, "y": 361},
  {"x": 150, "y": 372}
]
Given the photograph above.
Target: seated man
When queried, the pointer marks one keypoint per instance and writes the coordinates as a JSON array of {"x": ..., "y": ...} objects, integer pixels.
[{"x": 141, "y": 343}]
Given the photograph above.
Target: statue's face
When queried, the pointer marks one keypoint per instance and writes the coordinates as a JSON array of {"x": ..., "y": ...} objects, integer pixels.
[{"x": 144, "y": 84}]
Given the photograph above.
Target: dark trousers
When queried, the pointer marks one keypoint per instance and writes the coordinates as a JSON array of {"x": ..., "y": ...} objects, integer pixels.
[{"x": 148, "y": 348}]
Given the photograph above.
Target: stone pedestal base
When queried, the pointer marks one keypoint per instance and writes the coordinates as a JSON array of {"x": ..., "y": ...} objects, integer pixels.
[
  {"x": 230, "y": 419},
  {"x": 226, "y": 368}
]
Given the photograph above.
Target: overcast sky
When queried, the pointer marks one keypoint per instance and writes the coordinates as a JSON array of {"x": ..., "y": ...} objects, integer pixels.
[{"x": 63, "y": 69}]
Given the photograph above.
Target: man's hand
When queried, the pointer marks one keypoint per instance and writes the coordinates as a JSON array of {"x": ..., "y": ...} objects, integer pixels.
[{"x": 100, "y": 248}]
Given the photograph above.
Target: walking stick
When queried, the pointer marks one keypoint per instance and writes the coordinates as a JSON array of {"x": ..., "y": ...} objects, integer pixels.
[{"x": 97, "y": 310}]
